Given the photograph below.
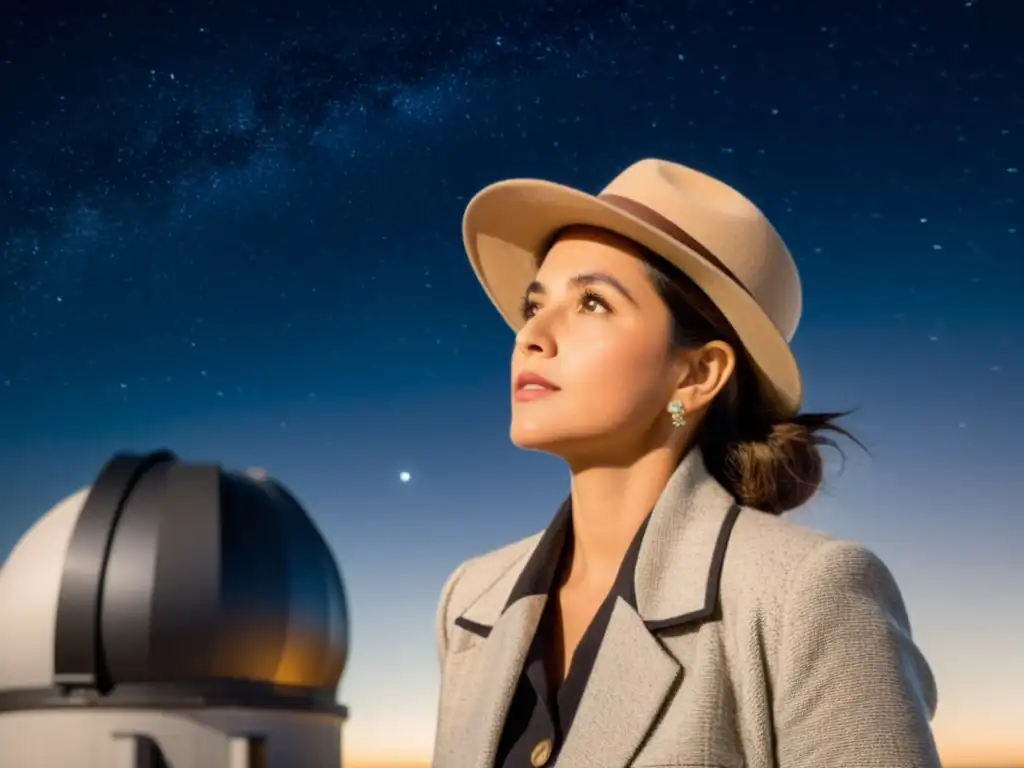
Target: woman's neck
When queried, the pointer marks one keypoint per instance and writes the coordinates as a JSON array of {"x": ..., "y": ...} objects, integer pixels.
[{"x": 609, "y": 503}]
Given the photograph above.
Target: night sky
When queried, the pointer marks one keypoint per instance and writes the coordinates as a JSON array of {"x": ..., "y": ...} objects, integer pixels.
[{"x": 234, "y": 231}]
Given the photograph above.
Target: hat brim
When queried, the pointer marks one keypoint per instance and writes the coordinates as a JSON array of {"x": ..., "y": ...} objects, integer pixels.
[{"x": 507, "y": 226}]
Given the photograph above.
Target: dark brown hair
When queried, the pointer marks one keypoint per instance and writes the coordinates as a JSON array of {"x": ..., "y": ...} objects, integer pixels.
[{"x": 765, "y": 462}]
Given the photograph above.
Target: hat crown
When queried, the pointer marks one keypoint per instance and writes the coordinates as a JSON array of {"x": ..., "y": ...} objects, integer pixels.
[{"x": 727, "y": 224}]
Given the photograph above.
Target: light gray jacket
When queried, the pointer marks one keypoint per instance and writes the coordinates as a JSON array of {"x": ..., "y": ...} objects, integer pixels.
[{"x": 755, "y": 643}]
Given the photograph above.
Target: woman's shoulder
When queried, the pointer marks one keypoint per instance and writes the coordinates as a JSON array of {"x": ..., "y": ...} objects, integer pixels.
[
  {"x": 830, "y": 616},
  {"x": 476, "y": 575},
  {"x": 772, "y": 561},
  {"x": 767, "y": 547}
]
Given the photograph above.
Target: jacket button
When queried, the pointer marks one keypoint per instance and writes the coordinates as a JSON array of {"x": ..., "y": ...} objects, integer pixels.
[{"x": 540, "y": 753}]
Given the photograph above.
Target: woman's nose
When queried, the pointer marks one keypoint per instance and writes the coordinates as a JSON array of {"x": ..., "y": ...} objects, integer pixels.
[{"x": 536, "y": 338}]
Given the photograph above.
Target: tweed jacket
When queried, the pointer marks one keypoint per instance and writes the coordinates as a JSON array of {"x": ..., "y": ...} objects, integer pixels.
[{"x": 754, "y": 642}]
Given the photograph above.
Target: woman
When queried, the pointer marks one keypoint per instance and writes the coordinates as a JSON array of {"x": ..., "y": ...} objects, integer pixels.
[{"x": 667, "y": 616}]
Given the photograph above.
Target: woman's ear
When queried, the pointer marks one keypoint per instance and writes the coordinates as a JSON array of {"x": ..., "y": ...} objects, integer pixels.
[{"x": 704, "y": 372}]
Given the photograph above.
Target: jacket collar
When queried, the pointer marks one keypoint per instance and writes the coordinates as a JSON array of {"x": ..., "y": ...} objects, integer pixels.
[{"x": 677, "y": 557}]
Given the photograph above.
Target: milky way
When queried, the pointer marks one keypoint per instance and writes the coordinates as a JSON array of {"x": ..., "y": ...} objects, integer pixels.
[
  {"x": 162, "y": 130},
  {"x": 137, "y": 143}
]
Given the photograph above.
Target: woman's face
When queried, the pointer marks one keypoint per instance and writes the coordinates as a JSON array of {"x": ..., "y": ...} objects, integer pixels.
[{"x": 597, "y": 333}]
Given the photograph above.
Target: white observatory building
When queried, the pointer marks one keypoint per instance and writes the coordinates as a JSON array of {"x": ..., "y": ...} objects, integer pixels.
[{"x": 172, "y": 615}]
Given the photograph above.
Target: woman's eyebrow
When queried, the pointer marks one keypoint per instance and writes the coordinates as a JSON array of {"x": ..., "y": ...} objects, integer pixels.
[{"x": 584, "y": 279}]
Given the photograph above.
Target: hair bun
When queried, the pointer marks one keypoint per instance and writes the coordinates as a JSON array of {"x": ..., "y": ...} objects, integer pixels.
[{"x": 781, "y": 470}]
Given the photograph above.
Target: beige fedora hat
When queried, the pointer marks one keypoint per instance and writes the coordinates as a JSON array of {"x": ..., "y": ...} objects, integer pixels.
[{"x": 708, "y": 230}]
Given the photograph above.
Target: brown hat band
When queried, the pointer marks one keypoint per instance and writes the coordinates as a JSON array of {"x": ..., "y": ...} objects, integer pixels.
[{"x": 654, "y": 219}]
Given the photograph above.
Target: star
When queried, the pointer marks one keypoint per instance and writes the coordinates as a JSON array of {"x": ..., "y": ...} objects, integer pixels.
[{"x": 405, "y": 477}]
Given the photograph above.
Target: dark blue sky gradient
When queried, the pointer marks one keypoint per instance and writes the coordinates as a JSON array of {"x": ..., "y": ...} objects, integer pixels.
[{"x": 233, "y": 231}]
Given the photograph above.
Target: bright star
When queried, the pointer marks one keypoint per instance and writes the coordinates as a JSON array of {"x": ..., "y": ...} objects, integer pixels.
[{"x": 404, "y": 477}]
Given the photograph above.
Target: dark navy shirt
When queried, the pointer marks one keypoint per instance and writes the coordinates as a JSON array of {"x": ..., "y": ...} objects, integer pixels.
[{"x": 539, "y": 719}]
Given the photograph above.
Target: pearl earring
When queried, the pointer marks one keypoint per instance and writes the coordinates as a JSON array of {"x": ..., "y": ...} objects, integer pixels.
[{"x": 675, "y": 409}]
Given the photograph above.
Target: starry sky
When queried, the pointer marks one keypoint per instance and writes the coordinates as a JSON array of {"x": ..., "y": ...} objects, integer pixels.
[{"x": 233, "y": 230}]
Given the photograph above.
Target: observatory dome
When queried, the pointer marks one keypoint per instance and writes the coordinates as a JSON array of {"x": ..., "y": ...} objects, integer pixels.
[{"x": 172, "y": 584}]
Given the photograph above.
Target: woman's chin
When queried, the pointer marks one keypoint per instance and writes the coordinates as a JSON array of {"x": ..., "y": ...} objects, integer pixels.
[
  {"x": 546, "y": 440},
  {"x": 531, "y": 443},
  {"x": 534, "y": 438}
]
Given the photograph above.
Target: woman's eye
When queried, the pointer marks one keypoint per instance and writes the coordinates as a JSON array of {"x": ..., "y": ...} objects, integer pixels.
[
  {"x": 593, "y": 303},
  {"x": 528, "y": 309},
  {"x": 590, "y": 303}
]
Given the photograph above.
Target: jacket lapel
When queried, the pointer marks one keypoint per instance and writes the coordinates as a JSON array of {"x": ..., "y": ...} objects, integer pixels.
[
  {"x": 679, "y": 565},
  {"x": 494, "y": 675},
  {"x": 675, "y": 580},
  {"x": 631, "y": 678},
  {"x": 676, "y": 573},
  {"x": 506, "y": 615}
]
